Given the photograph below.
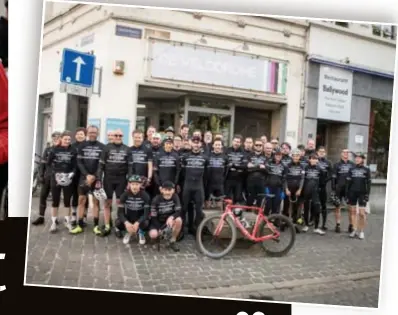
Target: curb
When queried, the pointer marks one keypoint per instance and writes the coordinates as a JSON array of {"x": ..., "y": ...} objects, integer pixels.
[{"x": 275, "y": 286}]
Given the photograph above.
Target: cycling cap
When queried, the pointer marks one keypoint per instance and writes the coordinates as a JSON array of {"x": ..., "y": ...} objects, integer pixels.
[
  {"x": 277, "y": 151},
  {"x": 168, "y": 185},
  {"x": 168, "y": 139},
  {"x": 169, "y": 129},
  {"x": 156, "y": 136},
  {"x": 296, "y": 152},
  {"x": 195, "y": 139},
  {"x": 135, "y": 179}
]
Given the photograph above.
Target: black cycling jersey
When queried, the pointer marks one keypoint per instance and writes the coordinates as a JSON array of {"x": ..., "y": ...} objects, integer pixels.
[
  {"x": 295, "y": 175},
  {"x": 313, "y": 175},
  {"x": 340, "y": 173},
  {"x": 216, "y": 169},
  {"x": 155, "y": 151},
  {"x": 45, "y": 168},
  {"x": 167, "y": 167},
  {"x": 207, "y": 148},
  {"x": 134, "y": 207},
  {"x": 141, "y": 156},
  {"x": 62, "y": 160},
  {"x": 286, "y": 159},
  {"x": 162, "y": 209},
  {"x": 147, "y": 144},
  {"x": 115, "y": 160},
  {"x": 88, "y": 157},
  {"x": 236, "y": 161},
  {"x": 255, "y": 172},
  {"x": 194, "y": 166},
  {"x": 303, "y": 161},
  {"x": 309, "y": 152},
  {"x": 326, "y": 167},
  {"x": 359, "y": 179},
  {"x": 276, "y": 174}
]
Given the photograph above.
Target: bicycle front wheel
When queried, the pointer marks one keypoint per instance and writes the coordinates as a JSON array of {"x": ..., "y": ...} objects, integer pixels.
[
  {"x": 277, "y": 246},
  {"x": 205, "y": 233}
]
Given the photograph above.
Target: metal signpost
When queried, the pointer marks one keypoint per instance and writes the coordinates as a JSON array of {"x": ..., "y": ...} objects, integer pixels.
[{"x": 77, "y": 73}]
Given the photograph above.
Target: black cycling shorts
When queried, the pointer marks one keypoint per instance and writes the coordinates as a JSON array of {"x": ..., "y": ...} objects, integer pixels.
[
  {"x": 357, "y": 197},
  {"x": 143, "y": 225},
  {"x": 340, "y": 192},
  {"x": 85, "y": 189},
  {"x": 215, "y": 190},
  {"x": 114, "y": 185}
]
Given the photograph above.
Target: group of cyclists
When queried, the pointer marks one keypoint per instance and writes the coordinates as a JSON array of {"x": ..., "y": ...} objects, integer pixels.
[{"x": 165, "y": 181}]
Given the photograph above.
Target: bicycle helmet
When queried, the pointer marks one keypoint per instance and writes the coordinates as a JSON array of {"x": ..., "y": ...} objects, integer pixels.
[
  {"x": 63, "y": 179},
  {"x": 99, "y": 192}
]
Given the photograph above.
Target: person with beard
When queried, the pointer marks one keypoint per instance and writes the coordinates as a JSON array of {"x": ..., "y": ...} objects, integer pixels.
[
  {"x": 208, "y": 143},
  {"x": 236, "y": 166},
  {"x": 310, "y": 149},
  {"x": 293, "y": 185},
  {"x": 310, "y": 195},
  {"x": 80, "y": 138},
  {"x": 88, "y": 157},
  {"x": 256, "y": 174},
  {"x": 216, "y": 173},
  {"x": 142, "y": 158},
  {"x": 45, "y": 178},
  {"x": 275, "y": 182},
  {"x": 149, "y": 133},
  {"x": 194, "y": 164},
  {"x": 326, "y": 167},
  {"x": 248, "y": 150},
  {"x": 286, "y": 158}
]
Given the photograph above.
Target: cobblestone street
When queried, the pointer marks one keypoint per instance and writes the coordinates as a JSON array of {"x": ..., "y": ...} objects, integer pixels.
[{"x": 330, "y": 269}]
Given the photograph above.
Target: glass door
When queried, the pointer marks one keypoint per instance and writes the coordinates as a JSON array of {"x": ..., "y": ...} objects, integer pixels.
[{"x": 216, "y": 123}]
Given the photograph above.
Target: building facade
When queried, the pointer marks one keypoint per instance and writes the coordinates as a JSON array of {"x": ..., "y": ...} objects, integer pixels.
[
  {"x": 349, "y": 67},
  {"x": 225, "y": 73}
]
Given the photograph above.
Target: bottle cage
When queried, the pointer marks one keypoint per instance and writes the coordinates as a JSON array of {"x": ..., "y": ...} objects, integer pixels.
[
  {"x": 63, "y": 179},
  {"x": 99, "y": 194}
]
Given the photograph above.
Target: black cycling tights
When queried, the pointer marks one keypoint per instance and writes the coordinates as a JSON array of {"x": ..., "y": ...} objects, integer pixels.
[
  {"x": 195, "y": 195},
  {"x": 323, "y": 200},
  {"x": 312, "y": 206},
  {"x": 56, "y": 194},
  {"x": 44, "y": 192}
]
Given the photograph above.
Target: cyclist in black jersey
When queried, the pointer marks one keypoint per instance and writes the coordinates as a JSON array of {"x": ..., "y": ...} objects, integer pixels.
[
  {"x": 194, "y": 165},
  {"x": 114, "y": 165},
  {"x": 339, "y": 177},
  {"x": 167, "y": 165},
  {"x": 62, "y": 160},
  {"x": 80, "y": 138},
  {"x": 310, "y": 194},
  {"x": 236, "y": 167},
  {"x": 149, "y": 133},
  {"x": 275, "y": 182},
  {"x": 133, "y": 212},
  {"x": 45, "y": 178},
  {"x": 358, "y": 190},
  {"x": 166, "y": 212},
  {"x": 177, "y": 144},
  {"x": 268, "y": 151},
  {"x": 216, "y": 172},
  {"x": 88, "y": 158},
  {"x": 208, "y": 142},
  {"x": 256, "y": 169},
  {"x": 310, "y": 149},
  {"x": 326, "y": 166},
  {"x": 294, "y": 183},
  {"x": 286, "y": 148},
  {"x": 142, "y": 158}
]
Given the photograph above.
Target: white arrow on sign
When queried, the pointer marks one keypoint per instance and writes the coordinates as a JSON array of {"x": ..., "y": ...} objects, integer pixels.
[{"x": 79, "y": 62}]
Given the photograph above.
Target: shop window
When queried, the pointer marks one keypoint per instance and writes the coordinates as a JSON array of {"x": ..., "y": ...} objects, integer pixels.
[
  {"x": 379, "y": 138},
  {"x": 385, "y": 31}
]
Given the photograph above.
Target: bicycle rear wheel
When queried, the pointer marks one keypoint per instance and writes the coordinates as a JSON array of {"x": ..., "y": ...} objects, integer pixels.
[
  {"x": 206, "y": 231},
  {"x": 285, "y": 227}
]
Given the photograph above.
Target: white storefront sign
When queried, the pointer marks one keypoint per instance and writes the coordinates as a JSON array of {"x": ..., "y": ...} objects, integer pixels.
[
  {"x": 203, "y": 65},
  {"x": 335, "y": 94}
]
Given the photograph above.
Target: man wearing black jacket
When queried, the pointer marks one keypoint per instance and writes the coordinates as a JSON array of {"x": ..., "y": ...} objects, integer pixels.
[
  {"x": 88, "y": 156},
  {"x": 45, "y": 179},
  {"x": 326, "y": 167},
  {"x": 236, "y": 167},
  {"x": 256, "y": 174}
]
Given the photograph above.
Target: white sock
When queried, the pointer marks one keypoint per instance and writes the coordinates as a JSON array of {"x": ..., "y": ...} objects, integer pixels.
[
  {"x": 53, "y": 220},
  {"x": 67, "y": 219}
]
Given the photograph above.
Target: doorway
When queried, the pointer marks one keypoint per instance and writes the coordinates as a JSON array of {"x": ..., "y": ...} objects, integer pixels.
[
  {"x": 321, "y": 134},
  {"x": 76, "y": 112},
  {"x": 44, "y": 122}
]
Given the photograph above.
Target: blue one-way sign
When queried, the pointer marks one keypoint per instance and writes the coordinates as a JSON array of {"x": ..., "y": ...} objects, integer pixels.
[{"x": 77, "y": 69}]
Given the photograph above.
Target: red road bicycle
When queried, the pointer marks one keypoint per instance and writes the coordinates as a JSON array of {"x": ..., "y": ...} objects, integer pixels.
[{"x": 267, "y": 230}]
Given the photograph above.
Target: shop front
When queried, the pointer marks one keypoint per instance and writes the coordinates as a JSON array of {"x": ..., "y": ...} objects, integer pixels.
[
  {"x": 211, "y": 90},
  {"x": 339, "y": 105}
]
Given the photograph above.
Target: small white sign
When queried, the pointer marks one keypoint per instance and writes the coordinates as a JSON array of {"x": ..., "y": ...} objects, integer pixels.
[
  {"x": 373, "y": 168},
  {"x": 359, "y": 139},
  {"x": 76, "y": 90}
]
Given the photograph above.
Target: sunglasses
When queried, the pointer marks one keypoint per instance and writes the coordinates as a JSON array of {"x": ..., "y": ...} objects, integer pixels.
[
  {"x": 118, "y": 136},
  {"x": 274, "y": 142},
  {"x": 258, "y": 145}
]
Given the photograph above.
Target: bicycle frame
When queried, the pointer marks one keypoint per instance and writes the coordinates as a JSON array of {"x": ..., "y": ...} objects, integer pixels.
[{"x": 260, "y": 217}]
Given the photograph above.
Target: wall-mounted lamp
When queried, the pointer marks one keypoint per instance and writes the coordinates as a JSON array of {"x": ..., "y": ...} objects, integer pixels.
[{"x": 119, "y": 67}]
